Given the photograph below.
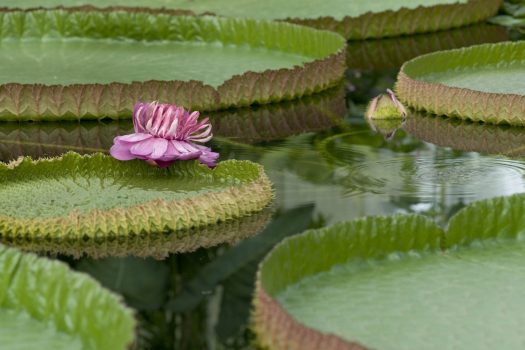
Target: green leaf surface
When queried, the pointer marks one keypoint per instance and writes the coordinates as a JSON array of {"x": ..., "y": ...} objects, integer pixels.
[
  {"x": 399, "y": 283},
  {"x": 91, "y": 61},
  {"x": 44, "y": 305},
  {"x": 88, "y": 64},
  {"x": 355, "y": 19},
  {"x": 253, "y": 9},
  {"x": 480, "y": 83},
  {"x": 499, "y": 219},
  {"x": 97, "y": 199}
]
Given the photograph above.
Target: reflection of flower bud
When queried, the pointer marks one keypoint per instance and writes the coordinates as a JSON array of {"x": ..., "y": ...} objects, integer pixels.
[
  {"x": 386, "y": 106},
  {"x": 386, "y": 127}
]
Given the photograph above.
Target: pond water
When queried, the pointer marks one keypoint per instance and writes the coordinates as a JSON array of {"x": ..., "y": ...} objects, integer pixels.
[{"x": 327, "y": 165}]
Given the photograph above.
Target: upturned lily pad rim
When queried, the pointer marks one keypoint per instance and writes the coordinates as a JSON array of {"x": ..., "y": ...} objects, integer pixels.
[
  {"x": 115, "y": 100},
  {"x": 277, "y": 329},
  {"x": 250, "y": 192},
  {"x": 158, "y": 247},
  {"x": 368, "y": 25},
  {"x": 67, "y": 300},
  {"x": 463, "y": 103}
]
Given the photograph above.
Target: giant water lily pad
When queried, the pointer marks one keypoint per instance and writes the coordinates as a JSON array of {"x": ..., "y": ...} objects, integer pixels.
[
  {"x": 97, "y": 199},
  {"x": 399, "y": 282},
  {"x": 356, "y": 19},
  {"x": 481, "y": 83},
  {"x": 467, "y": 136},
  {"x": 45, "y": 305},
  {"x": 92, "y": 65}
]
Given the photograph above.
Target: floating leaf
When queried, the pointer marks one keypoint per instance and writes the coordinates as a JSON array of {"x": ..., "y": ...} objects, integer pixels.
[
  {"x": 480, "y": 83},
  {"x": 98, "y": 64},
  {"x": 358, "y": 19},
  {"x": 44, "y": 305},
  {"x": 460, "y": 289},
  {"x": 84, "y": 201}
]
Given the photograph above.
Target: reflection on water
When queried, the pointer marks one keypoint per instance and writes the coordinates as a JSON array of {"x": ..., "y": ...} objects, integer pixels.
[
  {"x": 391, "y": 53},
  {"x": 467, "y": 136},
  {"x": 326, "y": 164}
]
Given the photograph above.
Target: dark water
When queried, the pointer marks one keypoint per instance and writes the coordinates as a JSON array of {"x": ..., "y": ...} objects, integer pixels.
[{"x": 327, "y": 165}]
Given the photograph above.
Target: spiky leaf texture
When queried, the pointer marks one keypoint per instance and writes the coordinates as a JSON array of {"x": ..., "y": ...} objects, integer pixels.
[
  {"x": 68, "y": 308},
  {"x": 354, "y": 20},
  {"x": 99, "y": 200},
  {"x": 157, "y": 246},
  {"x": 322, "y": 53},
  {"x": 491, "y": 229},
  {"x": 467, "y": 136},
  {"x": 479, "y": 83}
]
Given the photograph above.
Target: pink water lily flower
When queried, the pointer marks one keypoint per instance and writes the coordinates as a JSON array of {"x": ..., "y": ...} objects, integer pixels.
[{"x": 164, "y": 134}]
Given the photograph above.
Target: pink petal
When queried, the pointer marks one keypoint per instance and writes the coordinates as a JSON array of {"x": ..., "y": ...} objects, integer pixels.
[
  {"x": 185, "y": 150},
  {"x": 143, "y": 148},
  {"x": 208, "y": 157},
  {"x": 159, "y": 148},
  {"x": 121, "y": 152},
  {"x": 152, "y": 148},
  {"x": 132, "y": 138}
]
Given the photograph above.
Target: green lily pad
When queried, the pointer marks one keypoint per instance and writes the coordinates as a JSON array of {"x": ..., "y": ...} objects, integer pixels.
[
  {"x": 480, "y": 83},
  {"x": 99, "y": 200},
  {"x": 467, "y": 136},
  {"x": 91, "y": 65},
  {"x": 398, "y": 282},
  {"x": 45, "y": 305},
  {"x": 357, "y": 19}
]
